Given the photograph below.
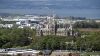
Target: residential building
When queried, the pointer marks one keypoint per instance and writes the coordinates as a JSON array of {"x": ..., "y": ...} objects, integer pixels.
[
  {"x": 20, "y": 53},
  {"x": 64, "y": 53}
]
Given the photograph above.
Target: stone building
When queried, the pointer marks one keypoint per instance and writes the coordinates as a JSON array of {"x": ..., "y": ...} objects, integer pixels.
[{"x": 51, "y": 26}]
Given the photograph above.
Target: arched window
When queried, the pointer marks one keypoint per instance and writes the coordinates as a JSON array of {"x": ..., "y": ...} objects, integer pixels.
[
  {"x": 19, "y": 55},
  {"x": 29, "y": 55}
]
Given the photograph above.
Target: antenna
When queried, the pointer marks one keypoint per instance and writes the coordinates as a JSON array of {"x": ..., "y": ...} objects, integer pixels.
[{"x": 53, "y": 12}]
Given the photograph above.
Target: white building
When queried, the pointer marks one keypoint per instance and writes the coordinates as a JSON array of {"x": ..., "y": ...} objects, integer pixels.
[
  {"x": 6, "y": 25},
  {"x": 21, "y": 53}
]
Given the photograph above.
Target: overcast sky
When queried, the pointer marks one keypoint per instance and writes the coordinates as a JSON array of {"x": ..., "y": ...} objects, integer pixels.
[
  {"x": 72, "y": 7},
  {"x": 54, "y": 4}
]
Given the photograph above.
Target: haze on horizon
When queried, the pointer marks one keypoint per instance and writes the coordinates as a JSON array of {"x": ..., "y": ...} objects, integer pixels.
[{"x": 84, "y": 8}]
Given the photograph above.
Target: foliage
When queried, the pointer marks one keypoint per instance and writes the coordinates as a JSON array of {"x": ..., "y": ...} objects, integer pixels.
[
  {"x": 49, "y": 42},
  {"x": 90, "y": 42},
  {"x": 15, "y": 37},
  {"x": 85, "y": 24}
]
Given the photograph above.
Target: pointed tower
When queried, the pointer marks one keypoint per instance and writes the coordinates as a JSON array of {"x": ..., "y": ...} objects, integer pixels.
[{"x": 71, "y": 28}]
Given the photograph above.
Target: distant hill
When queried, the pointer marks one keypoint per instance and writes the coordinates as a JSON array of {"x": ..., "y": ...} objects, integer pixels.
[{"x": 9, "y": 14}]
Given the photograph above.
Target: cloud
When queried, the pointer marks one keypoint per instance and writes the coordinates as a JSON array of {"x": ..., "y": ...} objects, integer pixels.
[
  {"x": 45, "y": 0},
  {"x": 67, "y": 0},
  {"x": 31, "y": 0}
]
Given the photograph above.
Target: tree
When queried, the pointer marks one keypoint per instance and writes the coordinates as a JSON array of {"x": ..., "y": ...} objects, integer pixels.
[
  {"x": 56, "y": 27},
  {"x": 14, "y": 37},
  {"x": 85, "y": 24},
  {"x": 49, "y": 42}
]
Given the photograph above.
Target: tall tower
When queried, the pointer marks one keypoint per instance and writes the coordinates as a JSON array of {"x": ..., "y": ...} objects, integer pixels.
[{"x": 71, "y": 28}]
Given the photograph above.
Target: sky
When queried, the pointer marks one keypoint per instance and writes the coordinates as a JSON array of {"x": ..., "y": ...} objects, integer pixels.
[
  {"x": 63, "y": 7},
  {"x": 28, "y": 4}
]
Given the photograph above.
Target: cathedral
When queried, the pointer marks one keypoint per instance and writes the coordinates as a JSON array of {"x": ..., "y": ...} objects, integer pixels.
[{"x": 52, "y": 26}]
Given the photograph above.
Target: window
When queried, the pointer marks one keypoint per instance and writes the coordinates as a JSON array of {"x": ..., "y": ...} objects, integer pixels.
[
  {"x": 57, "y": 55},
  {"x": 29, "y": 55},
  {"x": 19, "y": 55}
]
